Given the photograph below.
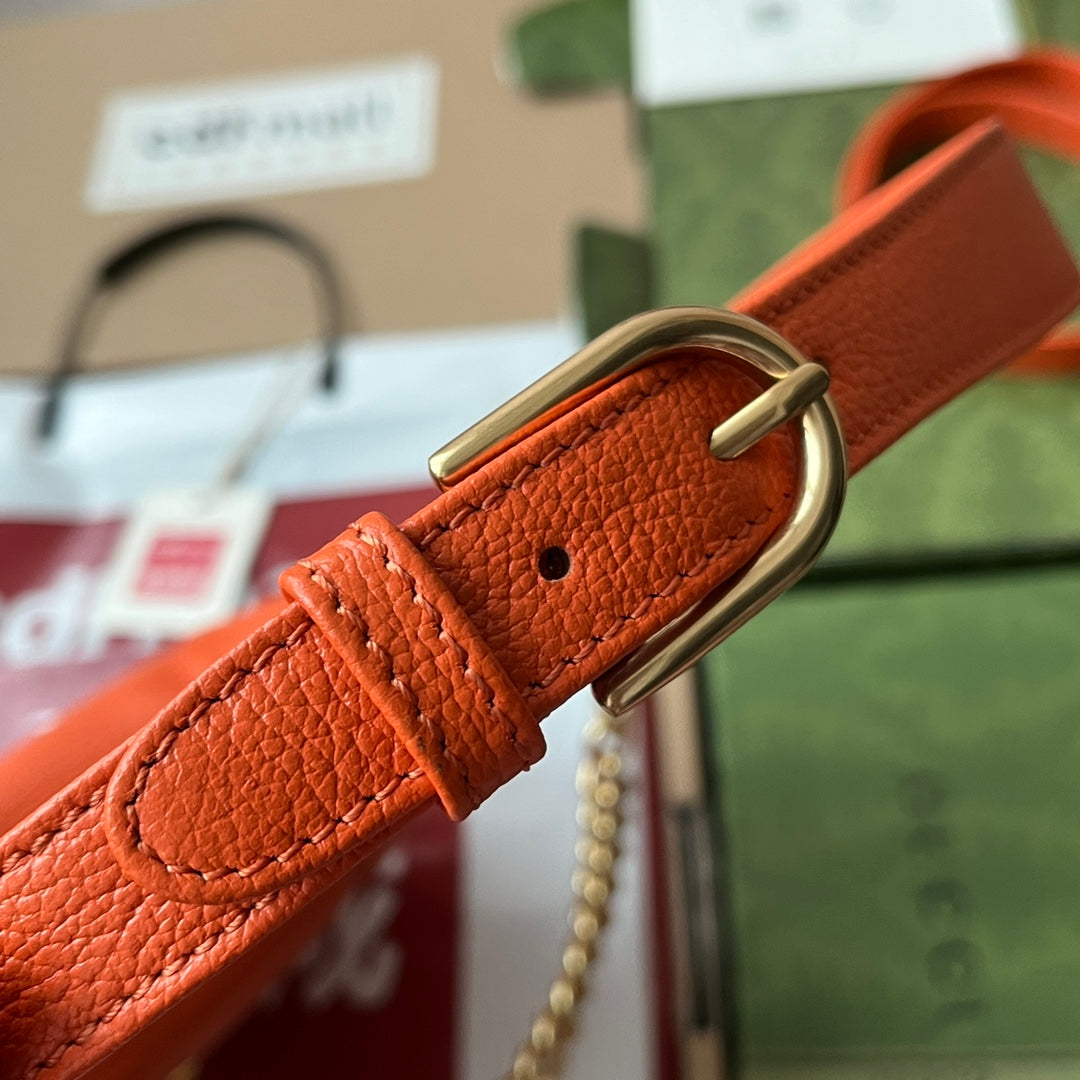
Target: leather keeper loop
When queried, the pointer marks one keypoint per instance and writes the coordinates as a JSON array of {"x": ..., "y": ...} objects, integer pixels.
[{"x": 413, "y": 649}]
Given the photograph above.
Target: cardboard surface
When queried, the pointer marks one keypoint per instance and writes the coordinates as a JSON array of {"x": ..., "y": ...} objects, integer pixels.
[{"x": 483, "y": 237}]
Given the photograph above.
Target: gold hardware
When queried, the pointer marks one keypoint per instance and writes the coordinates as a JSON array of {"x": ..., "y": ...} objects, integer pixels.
[
  {"x": 799, "y": 388},
  {"x": 542, "y": 1055},
  {"x": 785, "y": 399}
]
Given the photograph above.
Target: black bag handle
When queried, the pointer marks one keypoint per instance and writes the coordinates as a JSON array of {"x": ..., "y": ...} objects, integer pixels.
[{"x": 145, "y": 248}]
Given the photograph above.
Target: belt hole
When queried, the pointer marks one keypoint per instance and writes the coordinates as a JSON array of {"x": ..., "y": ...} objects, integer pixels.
[{"x": 554, "y": 564}]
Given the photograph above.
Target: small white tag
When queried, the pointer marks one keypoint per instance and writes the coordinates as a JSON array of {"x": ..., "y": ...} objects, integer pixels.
[
  {"x": 700, "y": 50},
  {"x": 182, "y": 562},
  {"x": 256, "y": 136}
]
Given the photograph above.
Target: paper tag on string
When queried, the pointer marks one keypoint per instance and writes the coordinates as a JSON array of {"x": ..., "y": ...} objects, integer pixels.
[{"x": 182, "y": 562}]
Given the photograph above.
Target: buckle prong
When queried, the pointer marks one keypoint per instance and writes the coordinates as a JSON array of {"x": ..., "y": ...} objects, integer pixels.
[
  {"x": 784, "y": 400},
  {"x": 799, "y": 389}
]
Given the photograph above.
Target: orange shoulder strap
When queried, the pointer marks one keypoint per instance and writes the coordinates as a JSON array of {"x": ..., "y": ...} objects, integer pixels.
[
  {"x": 413, "y": 664},
  {"x": 1036, "y": 97}
]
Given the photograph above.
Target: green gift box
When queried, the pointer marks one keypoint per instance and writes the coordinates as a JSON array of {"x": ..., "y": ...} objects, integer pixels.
[{"x": 895, "y": 754}]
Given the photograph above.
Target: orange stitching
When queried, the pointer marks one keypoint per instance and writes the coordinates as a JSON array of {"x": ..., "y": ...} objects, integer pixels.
[
  {"x": 44, "y": 839},
  {"x": 161, "y": 751},
  {"x": 387, "y": 661},
  {"x": 883, "y": 236},
  {"x": 37, "y": 847},
  {"x": 621, "y": 621},
  {"x": 147, "y": 983},
  {"x": 352, "y": 815},
  {"x": 841, "y": 263},
  {"x": 915, "y": 397},
  {"x": 462, "y": 654},
  {"x": 495, "y": 496}
]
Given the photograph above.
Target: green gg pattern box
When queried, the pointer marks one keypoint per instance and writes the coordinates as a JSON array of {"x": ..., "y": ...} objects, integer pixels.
[{"x": 895, "y": 752}]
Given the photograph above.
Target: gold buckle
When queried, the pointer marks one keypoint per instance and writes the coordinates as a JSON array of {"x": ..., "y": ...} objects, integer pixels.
[{"x": 799, "y": 389}]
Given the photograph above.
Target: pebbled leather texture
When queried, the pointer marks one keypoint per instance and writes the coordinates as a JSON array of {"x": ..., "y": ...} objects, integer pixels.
[
  {"x": 407, "y": 654},
  {"x": 1035, "y": 96},
  {"x": 302, "y": 749},
  {"x": 419, "y": 657},
  {"x": 308, "y": 788}
]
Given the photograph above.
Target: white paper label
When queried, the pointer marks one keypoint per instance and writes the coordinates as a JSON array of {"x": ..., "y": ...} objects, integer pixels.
[
  {"x": 181, "y": 563},
  {"x": 699, "y": 50},
  {"x": 247, "y": 137}
]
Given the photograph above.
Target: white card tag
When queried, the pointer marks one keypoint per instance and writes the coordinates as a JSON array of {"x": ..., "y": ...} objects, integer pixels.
[
  {"x": 182, "y": 562},
  {"x": 297, "y": 131},
  {"x": 701, "y": 50}
]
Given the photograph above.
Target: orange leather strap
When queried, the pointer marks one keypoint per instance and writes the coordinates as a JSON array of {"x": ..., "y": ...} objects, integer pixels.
[
  {"x": 414, "y": 664},
  {"x": 1036, "y": 97},
  {"x": 413, "y": 649}
]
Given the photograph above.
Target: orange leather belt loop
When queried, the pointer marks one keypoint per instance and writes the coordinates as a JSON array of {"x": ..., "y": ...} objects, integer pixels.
[
  {"x": 414, "y": 665},
  {"x": 1036, "y": 97},
  {"x": 415, "y": 652}
]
